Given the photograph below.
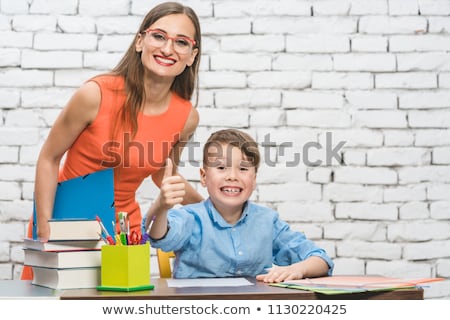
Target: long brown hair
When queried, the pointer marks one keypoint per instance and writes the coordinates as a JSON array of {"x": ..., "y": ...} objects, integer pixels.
[{"x": 130, "y": 67}]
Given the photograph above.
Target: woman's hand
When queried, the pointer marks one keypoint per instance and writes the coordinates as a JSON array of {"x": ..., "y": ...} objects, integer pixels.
[{"x": 43, "y": 231}]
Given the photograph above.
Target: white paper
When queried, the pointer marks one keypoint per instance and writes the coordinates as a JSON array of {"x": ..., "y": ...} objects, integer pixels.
[{"x": 208, "y": 282}]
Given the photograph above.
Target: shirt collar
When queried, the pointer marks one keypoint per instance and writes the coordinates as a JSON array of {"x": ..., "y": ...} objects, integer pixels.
[{"x": 217, "y": 218}]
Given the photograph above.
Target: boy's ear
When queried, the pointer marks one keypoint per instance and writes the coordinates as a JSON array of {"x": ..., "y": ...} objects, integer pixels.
[{"x": 203, "y": 177}]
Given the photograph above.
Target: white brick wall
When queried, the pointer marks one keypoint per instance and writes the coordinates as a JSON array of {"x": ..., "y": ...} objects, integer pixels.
[{"x": 374, "y": 74}]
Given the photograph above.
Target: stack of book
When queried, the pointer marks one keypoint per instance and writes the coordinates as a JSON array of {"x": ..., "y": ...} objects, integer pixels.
[{"x": 70, "y": 259}]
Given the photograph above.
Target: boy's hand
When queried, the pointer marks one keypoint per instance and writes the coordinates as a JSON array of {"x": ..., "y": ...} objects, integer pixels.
[
  {"x": 172, "y": 188},
  {"x": 280, "y": 274},
  {"x": 311, "y": 267}
]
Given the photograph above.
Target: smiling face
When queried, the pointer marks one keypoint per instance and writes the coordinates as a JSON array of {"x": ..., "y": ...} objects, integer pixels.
[
  {"x": 230, "y": 179},
  {"x": 164, "y": 60}
]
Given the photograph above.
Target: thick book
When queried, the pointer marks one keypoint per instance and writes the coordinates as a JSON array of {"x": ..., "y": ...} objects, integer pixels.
[
  {"x": 62, "y": 259},
  {"x": 64, "y": 245},
  {"x": 74, "y": 229},
  {"x": 61, "y": 279}
]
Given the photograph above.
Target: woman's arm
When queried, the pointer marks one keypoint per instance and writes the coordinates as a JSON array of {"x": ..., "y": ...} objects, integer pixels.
[{"x": 80, "y": 111}]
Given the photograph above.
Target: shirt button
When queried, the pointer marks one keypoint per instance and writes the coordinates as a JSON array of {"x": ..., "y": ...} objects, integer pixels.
[
  {"x": 240, "y": 253},
  {"x": 239, "y": 272}
]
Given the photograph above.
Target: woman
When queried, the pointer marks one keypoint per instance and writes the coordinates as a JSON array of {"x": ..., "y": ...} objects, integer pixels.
[{"x": 131, "y": 119}]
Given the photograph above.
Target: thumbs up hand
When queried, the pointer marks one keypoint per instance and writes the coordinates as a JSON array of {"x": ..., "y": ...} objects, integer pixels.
[{"x": 172, "y": 189}]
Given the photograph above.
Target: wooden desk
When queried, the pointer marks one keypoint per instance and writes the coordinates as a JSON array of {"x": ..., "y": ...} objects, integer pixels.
[
  {"x": 18, "y": 289},
  {"x": 259, "y": 291}
]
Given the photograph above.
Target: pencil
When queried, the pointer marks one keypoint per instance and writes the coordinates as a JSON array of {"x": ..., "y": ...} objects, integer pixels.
[{"x": 108, "y": 237}]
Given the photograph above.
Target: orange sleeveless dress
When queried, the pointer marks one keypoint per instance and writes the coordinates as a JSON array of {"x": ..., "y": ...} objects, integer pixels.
[{"x": 93, "y": 150}]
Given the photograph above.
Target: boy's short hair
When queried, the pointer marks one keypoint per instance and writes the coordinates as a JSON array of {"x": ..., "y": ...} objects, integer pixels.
[{"x": 235, "y": 138}]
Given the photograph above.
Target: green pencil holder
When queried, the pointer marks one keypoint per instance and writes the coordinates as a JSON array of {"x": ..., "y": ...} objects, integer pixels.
[{"x": 125, "y": 268}]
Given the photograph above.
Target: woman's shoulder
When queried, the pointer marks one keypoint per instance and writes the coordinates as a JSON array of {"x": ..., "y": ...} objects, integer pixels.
[
  {"x": 180, "y": 102},
  {"x": 187, "y": 117},
  {"x": 109, "y": 81}
]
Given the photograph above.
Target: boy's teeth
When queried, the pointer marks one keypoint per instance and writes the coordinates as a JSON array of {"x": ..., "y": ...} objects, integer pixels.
[{"x": 230, "y": 190}]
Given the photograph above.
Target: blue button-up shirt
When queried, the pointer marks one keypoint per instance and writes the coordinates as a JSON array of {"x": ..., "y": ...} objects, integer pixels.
[{"x": 206, "y": 245}]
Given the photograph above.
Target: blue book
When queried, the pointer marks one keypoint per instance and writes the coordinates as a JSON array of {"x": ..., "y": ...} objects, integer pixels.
[{"x": 85, "y": 197}]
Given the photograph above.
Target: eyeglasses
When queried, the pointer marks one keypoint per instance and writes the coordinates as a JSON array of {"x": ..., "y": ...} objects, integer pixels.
[{"x": 181, "y": 44}]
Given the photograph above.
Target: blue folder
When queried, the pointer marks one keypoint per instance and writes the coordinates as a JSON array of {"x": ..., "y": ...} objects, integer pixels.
[{"x": 85, "y": 197}]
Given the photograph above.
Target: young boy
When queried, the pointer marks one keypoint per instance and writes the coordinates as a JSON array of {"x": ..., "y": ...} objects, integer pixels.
[{"x": 227, "y": 235}]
